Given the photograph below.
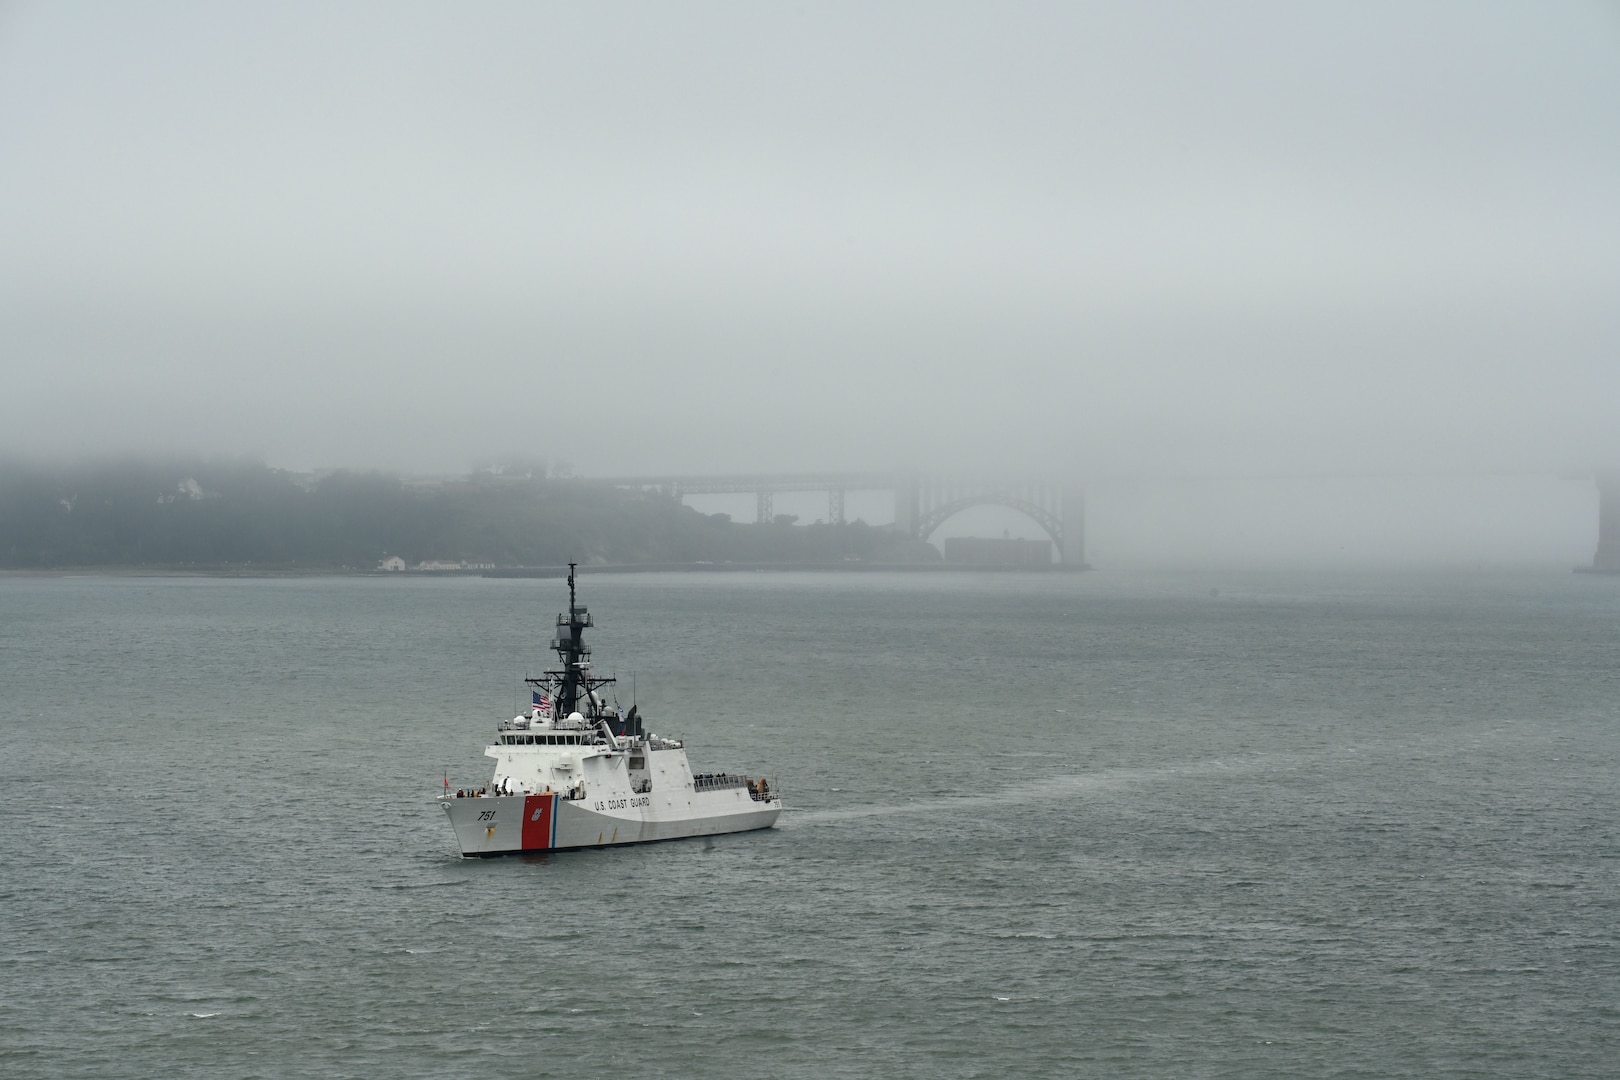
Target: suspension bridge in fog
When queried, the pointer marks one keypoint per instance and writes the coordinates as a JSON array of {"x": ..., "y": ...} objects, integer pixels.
[{"x": 922, "y": 501}]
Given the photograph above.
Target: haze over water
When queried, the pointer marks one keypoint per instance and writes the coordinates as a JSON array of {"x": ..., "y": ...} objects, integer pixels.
[
  {"x": 1101, "y": 239},
  {"x": 1203, "y": 824}
]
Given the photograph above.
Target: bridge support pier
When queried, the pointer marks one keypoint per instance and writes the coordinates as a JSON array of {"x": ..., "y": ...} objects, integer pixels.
[{"x": 764, "y": 507}]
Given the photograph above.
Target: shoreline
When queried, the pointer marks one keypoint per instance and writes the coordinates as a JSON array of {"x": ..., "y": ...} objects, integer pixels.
[{"x": 528, "y": 571}]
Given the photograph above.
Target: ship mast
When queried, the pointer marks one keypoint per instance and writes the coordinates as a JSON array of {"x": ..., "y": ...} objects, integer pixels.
[{"x": 572, "y": 679}]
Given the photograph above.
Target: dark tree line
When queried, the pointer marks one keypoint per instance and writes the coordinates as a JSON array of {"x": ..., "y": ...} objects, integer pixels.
[{"x": 234, "y": 513}]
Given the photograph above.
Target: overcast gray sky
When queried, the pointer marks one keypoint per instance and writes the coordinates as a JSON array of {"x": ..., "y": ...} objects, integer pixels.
[{"x": 1133, "y": 238}]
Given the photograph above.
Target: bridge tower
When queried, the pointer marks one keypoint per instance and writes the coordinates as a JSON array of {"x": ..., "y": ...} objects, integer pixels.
[
  {"x": 907, "y": 504},
  {"x": 1607, "y": 558},
  {"x": 1073, "y": 516}
]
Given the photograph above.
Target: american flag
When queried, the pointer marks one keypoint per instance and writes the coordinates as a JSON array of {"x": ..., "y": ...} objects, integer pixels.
[{"x": 541, "y": 701}]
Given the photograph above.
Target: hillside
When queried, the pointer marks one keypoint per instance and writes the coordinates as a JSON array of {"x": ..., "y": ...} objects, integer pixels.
[{"x": 216, "y": 513}]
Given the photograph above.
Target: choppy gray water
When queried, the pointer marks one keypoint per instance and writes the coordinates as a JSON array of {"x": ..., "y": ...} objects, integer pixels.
[{"x": 1359, "y": 825}]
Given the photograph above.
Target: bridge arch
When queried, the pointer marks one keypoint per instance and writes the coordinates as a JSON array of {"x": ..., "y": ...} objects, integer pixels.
[{"x": 930, "y": 521}]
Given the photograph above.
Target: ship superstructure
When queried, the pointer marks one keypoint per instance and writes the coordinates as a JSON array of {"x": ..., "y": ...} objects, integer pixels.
[{"x": 575, "y": 770}]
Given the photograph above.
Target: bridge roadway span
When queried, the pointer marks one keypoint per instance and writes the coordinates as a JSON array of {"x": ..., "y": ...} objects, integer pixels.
[{"x": 922, "y": 502}]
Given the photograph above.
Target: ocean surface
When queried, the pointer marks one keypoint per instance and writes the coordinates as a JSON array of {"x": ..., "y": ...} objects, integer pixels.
[{"x": 1198, "y": 824}]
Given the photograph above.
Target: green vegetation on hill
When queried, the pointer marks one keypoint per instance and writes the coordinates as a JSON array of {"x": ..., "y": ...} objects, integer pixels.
[{"x": 234, "y": 513}]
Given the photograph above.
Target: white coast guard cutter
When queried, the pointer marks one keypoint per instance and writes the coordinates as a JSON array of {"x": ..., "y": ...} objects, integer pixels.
[{"x": 574, "y": 772}]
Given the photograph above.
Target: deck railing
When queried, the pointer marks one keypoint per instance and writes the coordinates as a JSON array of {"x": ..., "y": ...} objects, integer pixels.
[
  {"x": 717, "y": 781},
  {"x": 760, "y": 790}
]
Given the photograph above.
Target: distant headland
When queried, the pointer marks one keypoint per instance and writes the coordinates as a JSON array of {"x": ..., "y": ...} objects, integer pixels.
[{"x": 235, "y": 516}]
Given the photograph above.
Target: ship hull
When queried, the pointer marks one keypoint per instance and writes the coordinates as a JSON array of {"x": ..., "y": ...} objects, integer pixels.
[{"x": 514, "y": 824}]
